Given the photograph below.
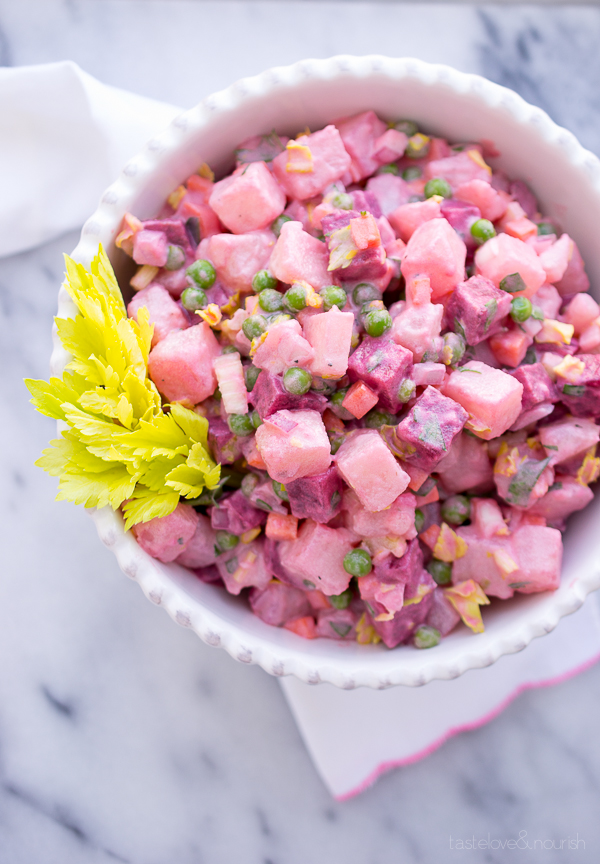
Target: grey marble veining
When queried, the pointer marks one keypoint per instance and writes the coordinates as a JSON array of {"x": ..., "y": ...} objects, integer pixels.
[{"x": 124, "y": 738}]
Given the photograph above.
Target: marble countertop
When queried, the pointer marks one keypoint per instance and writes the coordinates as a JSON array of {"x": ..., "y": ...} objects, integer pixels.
[{"x": 123, "y": 737}]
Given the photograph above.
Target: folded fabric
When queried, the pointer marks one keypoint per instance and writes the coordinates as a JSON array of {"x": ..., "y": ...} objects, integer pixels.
[{"x": 65, "y": 138}]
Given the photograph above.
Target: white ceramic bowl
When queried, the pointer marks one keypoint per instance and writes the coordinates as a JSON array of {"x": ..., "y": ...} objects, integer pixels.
[{"x": 566, "y": 179}]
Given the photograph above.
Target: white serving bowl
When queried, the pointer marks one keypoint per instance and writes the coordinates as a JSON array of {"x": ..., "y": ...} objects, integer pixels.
[{"x": 566, "y": 179}]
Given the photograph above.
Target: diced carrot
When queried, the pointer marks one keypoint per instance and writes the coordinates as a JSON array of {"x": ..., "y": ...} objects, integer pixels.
[
  {"x": 280, "y": 527},
  {"x": 510, "y": 347},
  {"x": 318, "y": 600},
  {"x": 430, "y": 536},
  {"x": 522, "y": 229},
  {"x": 418, "y": 291},
  {"x": 430, "y": 498},
  {"x": 196, "y": 183},
  {"x": 417, "y": 476},
  {"x": 304, "y": 627},
  {"x": 365, "y": 232},
  {"x": 331, "y": 422},
  {"x": 359, "y": 399}
]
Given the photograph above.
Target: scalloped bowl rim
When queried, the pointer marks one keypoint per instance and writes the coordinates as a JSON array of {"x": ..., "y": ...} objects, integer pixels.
[{"x": 221, "y": 620}]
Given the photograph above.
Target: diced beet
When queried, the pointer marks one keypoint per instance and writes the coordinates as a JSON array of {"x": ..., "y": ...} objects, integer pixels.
[
  {"x": 318, "y": 497},
  {"x": 383, "y": 365},
  {"x": 209, "y": 574},
  {"x": 235, "y": 514},
  {"x": 537, "y": 385},
  {"x": 442, "y": 615},
  {"x": 166, "y": 537},
  {"x": 278, "y": 603},
  {"x": 175, "y": 232},
  {"x": 580, "y": 390},
  {"x": 316, "y": 558},
  {"x": 476, "y": 309},
  {"x": 368, "y": 467},
  {"x": 426, "y": 434},
  {"x": 461, "y": 216},
  {"x": 269, "y": 395},
  {"x": 337, "y": 624},
  {"x": 406, "y": 569},
  {"x": 200, "y": 551},
  {"x": 273, "y": 562},
  {"x": 366, "y": 201},
  {"x": 224, "y": 445},
  {"x": 401, "y": 627}
]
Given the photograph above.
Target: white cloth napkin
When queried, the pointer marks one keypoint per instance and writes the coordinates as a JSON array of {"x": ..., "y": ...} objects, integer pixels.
[{"x": 65, "y": 137}]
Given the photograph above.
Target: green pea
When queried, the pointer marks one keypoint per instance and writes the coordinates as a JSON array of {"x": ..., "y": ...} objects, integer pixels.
[
  {"x": 231, "y": 349},
  {"x": 193, "y": 299},
  {"x": 438, "y": 186},
  {"x": 175, "y": 258},
  {"x": 406, "y": 391},
  {"x": 376, "y": 419},
  {"x": 545, "y": 228},
  {"x": 225, "y": 540},
  {"x": 513, "y": 283},
  {"x": 520, "y": 309},
  {"x": 280, "y": 490},
  {"x": 413, "y": 172},
  {"x": 249, "y": 484},
  {"x": 240, "y": 424},
  {"x": 203, "y": 273},
  {"x": 339, "y": 396},
  {"x": 418, "y": 146},
  {"x": 295, "y": 297},
  {"x": 407, "y": 126},
  {"x": 419, "y": 520},
  {"x": 333, "y": 296},
  {"x": 251, "y": 373},
  {"x": 378, "y": 322},
  {"x": 454, "y": 349},
  {"x": 364, "y": 292},
  {"x": 278, "y": 223},
  {"x": 297, "y": 381},
  {"x": 254, "y": 326},
  {"x": 358, "y": 562},
  {"x": 270, "y": 300},
  {"x": 392, "y": 168},
  {"x": 341, "y": 601},
  {"x": 441, "y": 571},
  {"x": 456, "y": 509},
  {"x": 263, "y": 279},
  {"x": 482, "y": 230},
  {"x": 255, "y": 418},
  {"x": 426, "y": 637},
  {"x": 342, "y": 201}
]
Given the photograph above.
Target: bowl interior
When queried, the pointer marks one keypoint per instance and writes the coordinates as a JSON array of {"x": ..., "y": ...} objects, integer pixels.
[{"x": 565, "y": 179}]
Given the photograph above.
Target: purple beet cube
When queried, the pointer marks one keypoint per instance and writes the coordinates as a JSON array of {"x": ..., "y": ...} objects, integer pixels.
[
  {"x": 382, "y": 365},
  {"x": 521, "y": 192},
  {"x": 365, "y": 200},
  {"x": 403, "y": 624},
  {"x": 336, "y": 220},
  {"x": 406, "y": 569},
  {"x": 476, "y": 309},
  {"x": 224, "y": 445},
  {"x": 442, "y": 614},
  {"x": 235, "y": 514},
  {"x": 426, "y": 434},
  {"x": 461, "y": 216},
  {"x": 581, "y": 392},
  {"x": 175, "y": 233},
  {"x": 318, "y": 497},
  {"x": 537, "y": 385},
  {"x": 278, "y": 603},
  {"x": 269, "y": 395},
  {"x": 273, "y": 563}
]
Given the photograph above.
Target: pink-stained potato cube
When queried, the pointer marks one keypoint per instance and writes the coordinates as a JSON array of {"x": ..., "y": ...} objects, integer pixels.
[
  {"x": 278, "y": 603},
  {"x": 164, "y": 312},
  {"x": 294, "y": 444},
  {"x": 330, "y": 335},
  {"x": 459, "y": 169},
  {"x": 568, "y": 437},
  {"x": 416, "y": 328},
  {"x": 566, "y": 496},
  {"x": 575, "y": 278},
  {"x": 298, "y": 257},
  {"x": 368, "y": 467},
  {"x": 538, "y": 552},
  {"x": 166, "y": 537},
  {"x": 244, "y": 567},
  {"x": 200, "y": 550},
  {"x": 329, "y": 161},
  {"x": 316, "y": 558},
  {"x": 435, "y": 250},
  {"x": 408, "y": 217},
  {"x": 491, "y": 397},
  {"x": 397, "y": 520},
  {"x": 504, "y": 255},
  {"x": 361, "y": 135},
  {"x": 467, "y": 465},
  {"x": 181, "y": 365},
  {"x": 150, "y": 248},
  {"x": 249, "y": 199},
  {"x": 581, "y": 312},
  {"x": 491, "y": 203},
  {"x": 555, "y": 260},
  {"x": 390, "y": 191},
  {"x": 283, "y": 347},
  {"x": 238, "y": 257}
]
